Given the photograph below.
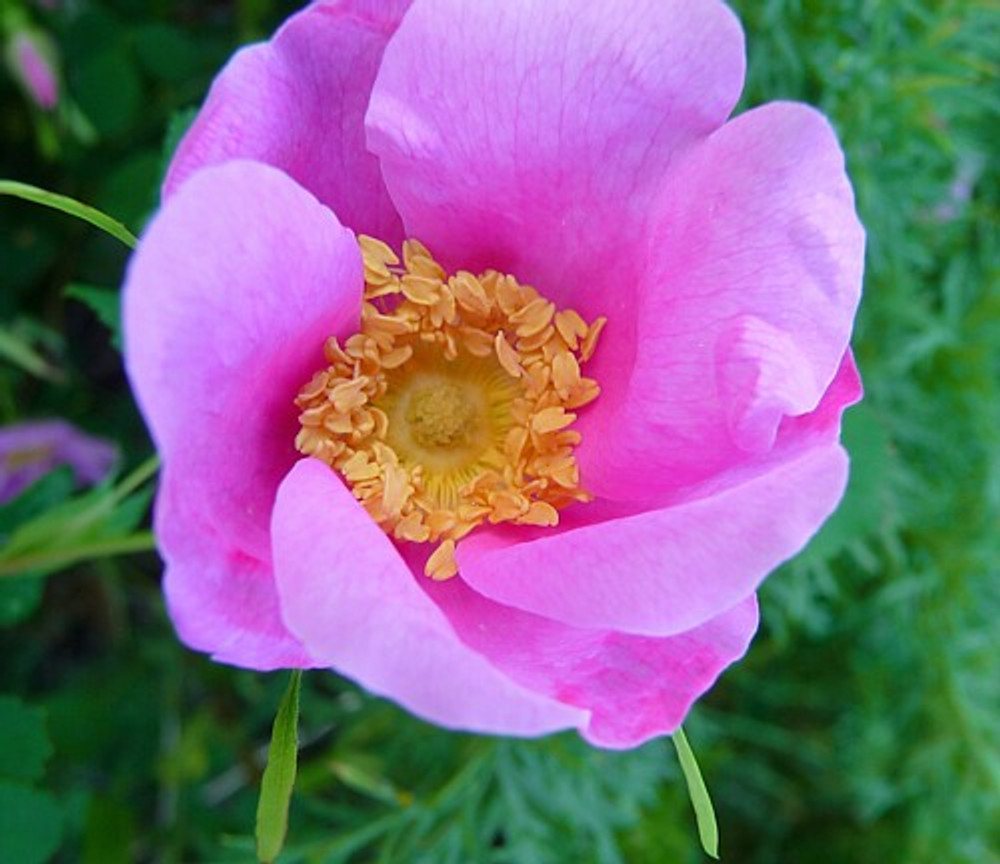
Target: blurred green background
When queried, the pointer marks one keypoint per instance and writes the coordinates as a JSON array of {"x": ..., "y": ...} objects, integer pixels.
[{"x": 865, "y": 724}]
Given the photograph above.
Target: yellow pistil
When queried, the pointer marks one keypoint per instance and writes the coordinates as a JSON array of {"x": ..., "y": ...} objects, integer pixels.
[
  {"x": 453, "y": 404},
  {"x": 439, "y": 415}
]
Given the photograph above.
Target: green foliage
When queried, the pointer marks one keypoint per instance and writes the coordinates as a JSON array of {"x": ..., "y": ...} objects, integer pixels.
[
  {"x": 41, "y": 535},
  {"x": 390, "y": 788},
  {"x": 279, "y": 776},
  {"x": 887, "y": 614},
  {"x": 104, "y": 303},
  {"x": 30, "y": 818},
  {"x": 17, "y": 348},
  {"x": 25, "y": 726},
  {"x": 862, "y": 725},
  {"x": 30, "y": 822}
]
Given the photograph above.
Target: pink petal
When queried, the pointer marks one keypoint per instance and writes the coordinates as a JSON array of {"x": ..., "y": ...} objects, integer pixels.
[
  {"x": 348, "y": 595},
  {"x": 824, "y": 423},
  {"x": 534, "y": 138},
  {"x": 298, "y": 102},
  {"x": 530, "y": 136},
  {"x": 634, "y": 687},
  {"x": 221, "y": 599},
  {"x": 661, "y": 572},
  {"x": 228, "y": 299},
  {"x": 746, "y": 308}
]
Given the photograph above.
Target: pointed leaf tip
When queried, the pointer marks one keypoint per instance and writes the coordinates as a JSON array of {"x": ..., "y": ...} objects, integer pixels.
[
  {"x": 704, "y": 813},
  {"x": 71, "y": 207},
  {"x": 279, "y": 775}
]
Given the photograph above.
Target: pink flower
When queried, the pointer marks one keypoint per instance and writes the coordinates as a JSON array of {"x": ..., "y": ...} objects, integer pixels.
[
  {"x": 584, "y": 148},
  {"x": 31, "y": 57}
]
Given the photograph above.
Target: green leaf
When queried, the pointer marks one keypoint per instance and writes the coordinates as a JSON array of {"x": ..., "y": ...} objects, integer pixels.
[
  {"x": 167, "y": 52},
  {"x": 30, "y": 824},
  {"x": 44, "y": 494},
  {"x": 43, "y": 563},
  {"x": 92, "y": 525},
  {"x": 132, "y": 189},
  {"x": 25, "y": 746},
  {"x": 78, "y": 519},
  {"x": 180, "y": 122},
  {"x": 19, "y": 598},
  {"x": 19, "y": 351},
  {"x": 70, "y": 206},
  {"x": 103, "y": 302},
  {"x": 279, "y": 775},
  {"x": 109, "y": 833},
  {"x": 363, "y": 776},
  {"x": 109, "y": 89},
  {"x": 704, "y": 813}
]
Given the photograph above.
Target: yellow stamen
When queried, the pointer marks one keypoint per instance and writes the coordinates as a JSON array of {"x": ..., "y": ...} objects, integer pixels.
[
  {"x": 450, "y": 408},
  {"x": 441, "y": 565}
]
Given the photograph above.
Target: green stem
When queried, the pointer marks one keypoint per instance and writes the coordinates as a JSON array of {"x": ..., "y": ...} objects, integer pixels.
[
  {"x": 143, "y": 541},
  {"x": 139, "y": 476},
  {"x": 72, "y": 207}
]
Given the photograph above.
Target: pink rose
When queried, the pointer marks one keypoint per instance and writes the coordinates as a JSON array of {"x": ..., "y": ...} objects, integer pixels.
[{"x": 584, "y": 149}]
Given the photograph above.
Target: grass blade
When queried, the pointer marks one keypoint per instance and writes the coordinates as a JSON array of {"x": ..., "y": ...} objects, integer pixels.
[{"x": 71, "y": 206}]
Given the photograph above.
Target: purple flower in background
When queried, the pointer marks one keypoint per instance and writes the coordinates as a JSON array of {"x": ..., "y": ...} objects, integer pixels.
[
  {"x": 28, "y": 451},
  {"x": 31, "y": 57}
]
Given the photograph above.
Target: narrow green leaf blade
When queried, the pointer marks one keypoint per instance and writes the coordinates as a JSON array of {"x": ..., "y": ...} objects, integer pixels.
[
  {"x": 279, "y": 775},
  {"x": 70, "y": 206},
  {"x": 704, "y": 813},
  {"x": 17, "y": 350},
  {"x": 45, "y": 529}
]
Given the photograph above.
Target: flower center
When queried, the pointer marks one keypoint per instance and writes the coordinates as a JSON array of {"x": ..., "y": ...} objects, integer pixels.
[
  {"x": 452, "y": 405},
  {"x": 441, "y": 415}
]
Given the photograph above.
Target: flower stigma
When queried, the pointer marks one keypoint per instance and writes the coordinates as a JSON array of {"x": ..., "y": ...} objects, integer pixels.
[{"x": 452, "y": 405}]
